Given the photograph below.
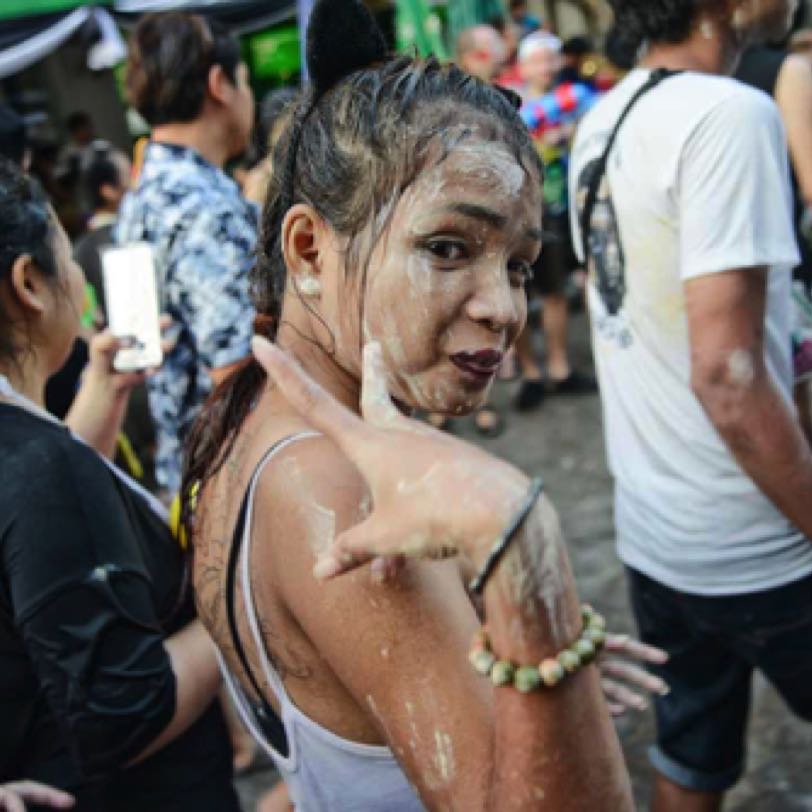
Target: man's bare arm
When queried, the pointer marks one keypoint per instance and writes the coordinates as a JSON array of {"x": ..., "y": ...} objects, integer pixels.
[{"x": 732, "y": 382}]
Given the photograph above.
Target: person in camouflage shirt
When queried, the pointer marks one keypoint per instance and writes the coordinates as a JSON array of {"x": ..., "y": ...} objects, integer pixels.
[{"x": 203, "y": 233}]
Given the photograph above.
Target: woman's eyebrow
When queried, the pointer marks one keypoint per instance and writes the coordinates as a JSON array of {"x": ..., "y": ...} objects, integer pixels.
[
  {"x": 493, "y": 218},
  {"x": 478, "y": 212}
]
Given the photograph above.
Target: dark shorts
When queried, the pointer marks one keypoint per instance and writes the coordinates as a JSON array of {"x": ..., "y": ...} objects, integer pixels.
[
  {"x": 557, "y": 260},
  {"x": 714, "y": 645}
]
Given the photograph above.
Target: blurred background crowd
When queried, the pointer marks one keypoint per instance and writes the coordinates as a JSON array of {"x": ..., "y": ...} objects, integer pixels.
[{"x": 67, "y": 118}]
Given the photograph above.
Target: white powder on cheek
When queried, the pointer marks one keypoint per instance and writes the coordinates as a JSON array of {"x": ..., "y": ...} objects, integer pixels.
[
  {"x": 392, "y": 344},
  {"x": 414, "y": 386},
  {"x": 423, "y": 284}
]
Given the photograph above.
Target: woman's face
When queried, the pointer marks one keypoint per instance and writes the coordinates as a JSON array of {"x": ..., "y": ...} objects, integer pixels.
[{"x": 444, "y": 291}]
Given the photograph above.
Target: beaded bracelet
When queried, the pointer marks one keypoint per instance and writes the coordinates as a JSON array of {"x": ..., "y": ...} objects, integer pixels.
[{"x": 551, "y": 671}]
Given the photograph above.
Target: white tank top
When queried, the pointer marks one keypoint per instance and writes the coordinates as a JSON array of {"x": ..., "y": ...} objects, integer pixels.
[{"x": 323, "y": 772}]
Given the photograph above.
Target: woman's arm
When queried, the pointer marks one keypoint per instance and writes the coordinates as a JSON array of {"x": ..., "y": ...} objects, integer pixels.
[
  {"x": 400, "y": 649},
  {"x": 197, "y": 681},
  {"x": 560, "y": 741},
  {"x": 98, "y": 409},
  {"x": 553, "y": 749},
  {"x": 124, "y": 693}
]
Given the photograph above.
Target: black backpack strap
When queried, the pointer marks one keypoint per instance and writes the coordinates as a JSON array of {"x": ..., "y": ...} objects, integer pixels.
[
  {"x": 268, "y": 718},
  {"x": 599, "y": 171}
]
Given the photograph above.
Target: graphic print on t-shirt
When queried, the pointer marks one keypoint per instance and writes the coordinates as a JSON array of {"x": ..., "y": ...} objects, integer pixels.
[{"x": 604, "y": 254}]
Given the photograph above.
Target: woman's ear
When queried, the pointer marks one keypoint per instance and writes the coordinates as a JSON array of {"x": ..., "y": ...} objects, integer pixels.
[
  {"x": 28, "y": 286},
  {"x": 305, "y": 238}
]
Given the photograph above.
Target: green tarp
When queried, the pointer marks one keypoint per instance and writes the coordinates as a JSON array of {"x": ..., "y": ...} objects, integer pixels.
[{"x": 13, "y": 9}]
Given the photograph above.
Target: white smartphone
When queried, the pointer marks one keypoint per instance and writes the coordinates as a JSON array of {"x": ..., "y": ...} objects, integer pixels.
[{"x": 131, "y": 300}]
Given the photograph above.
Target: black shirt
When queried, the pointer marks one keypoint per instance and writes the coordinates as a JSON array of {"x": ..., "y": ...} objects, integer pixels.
[{"x": 91, "y": 582}]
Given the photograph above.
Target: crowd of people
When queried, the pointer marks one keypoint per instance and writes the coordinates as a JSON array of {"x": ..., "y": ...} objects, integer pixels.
[{"x": 261, "y": 535}]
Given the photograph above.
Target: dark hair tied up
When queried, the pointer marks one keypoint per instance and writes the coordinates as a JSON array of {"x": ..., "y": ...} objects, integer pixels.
[{"x": 342, "y": 37}]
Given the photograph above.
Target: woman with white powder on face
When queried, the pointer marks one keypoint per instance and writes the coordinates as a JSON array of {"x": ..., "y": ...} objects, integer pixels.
[{"x": 404, "y": 214}]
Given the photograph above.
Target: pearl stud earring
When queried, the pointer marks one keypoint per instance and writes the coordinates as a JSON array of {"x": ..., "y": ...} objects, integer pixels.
[{"x": 309, "y": 286}]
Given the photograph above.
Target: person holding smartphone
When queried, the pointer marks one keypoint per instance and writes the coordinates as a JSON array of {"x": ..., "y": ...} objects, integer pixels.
[{"x": 107, "y": 680}]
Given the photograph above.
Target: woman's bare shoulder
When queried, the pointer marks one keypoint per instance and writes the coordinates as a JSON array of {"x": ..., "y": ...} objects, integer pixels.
[{"x": 306, "y": 494}]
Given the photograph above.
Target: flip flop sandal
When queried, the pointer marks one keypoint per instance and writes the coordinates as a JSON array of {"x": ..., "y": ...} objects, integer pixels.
[
  {"x": 531, "y": 395},
  {"x": 576, "y": 383}
]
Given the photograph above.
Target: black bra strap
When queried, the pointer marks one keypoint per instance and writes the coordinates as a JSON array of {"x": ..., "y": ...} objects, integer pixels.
[{"x": 271, "y": 724}]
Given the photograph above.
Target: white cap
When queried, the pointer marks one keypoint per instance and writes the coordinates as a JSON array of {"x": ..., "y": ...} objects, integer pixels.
[{"x": 538, "y": 41}]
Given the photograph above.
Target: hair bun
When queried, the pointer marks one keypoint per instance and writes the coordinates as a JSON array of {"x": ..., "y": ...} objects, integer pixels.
[{"x": 342, "y": 37}]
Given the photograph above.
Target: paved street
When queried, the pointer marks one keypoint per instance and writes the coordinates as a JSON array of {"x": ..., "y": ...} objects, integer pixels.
[{"x": 562, "y": 441}]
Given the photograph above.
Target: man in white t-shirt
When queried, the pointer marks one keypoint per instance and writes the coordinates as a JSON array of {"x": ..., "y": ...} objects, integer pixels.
[{"x": 690, "y": 249}]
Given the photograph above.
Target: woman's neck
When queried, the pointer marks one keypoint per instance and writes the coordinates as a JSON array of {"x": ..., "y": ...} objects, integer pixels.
[
  {"x": 27, "y": 379},
  {"x": 320, "y": 364}
]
